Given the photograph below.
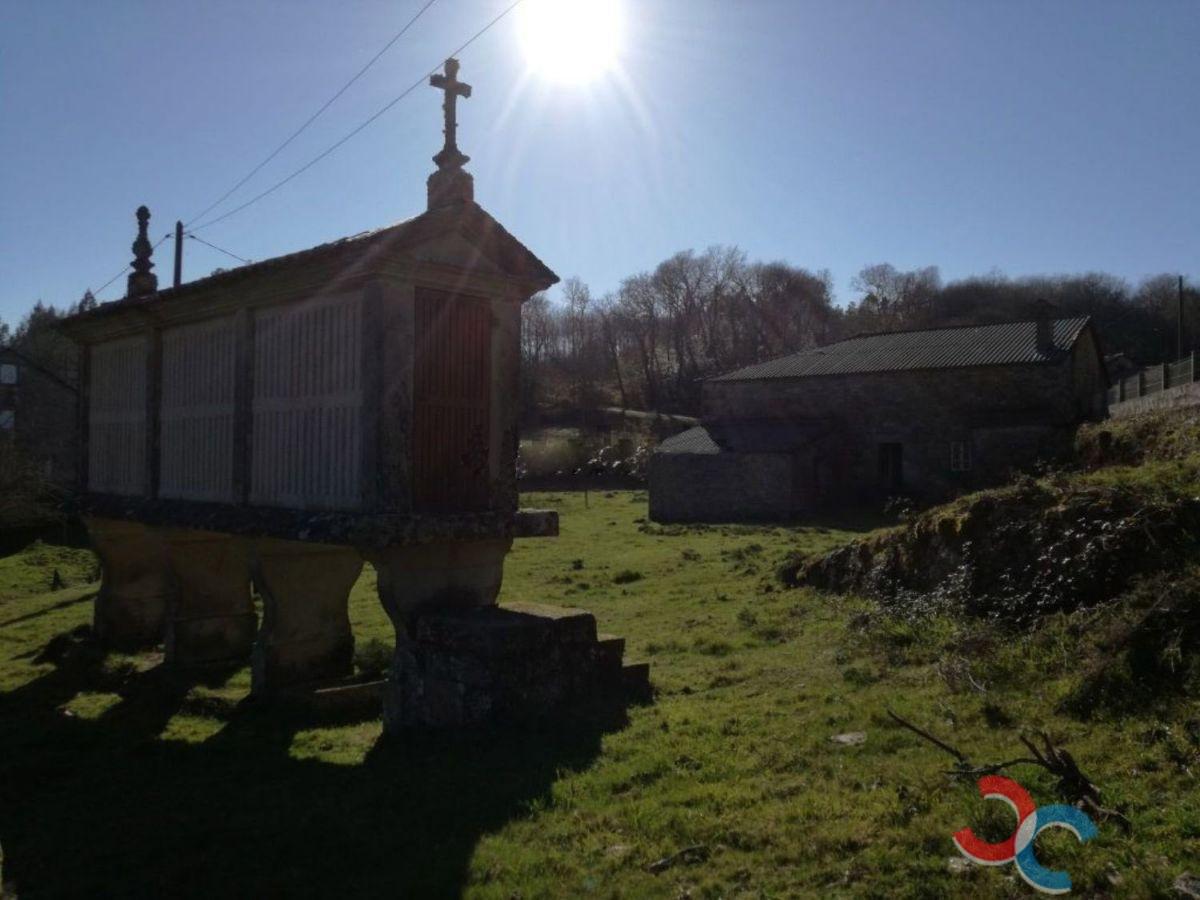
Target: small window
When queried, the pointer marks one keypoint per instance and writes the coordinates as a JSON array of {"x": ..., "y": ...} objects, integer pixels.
[
  {"x": 960, "y": 456},
  {"x": 8, "y": 373},
  {"x": 8, "y": 420}
]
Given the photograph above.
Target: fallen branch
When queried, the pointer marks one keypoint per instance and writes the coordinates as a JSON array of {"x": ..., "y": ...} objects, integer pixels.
[
  {"x": 693, "y": 854},
  {"x": 1073, "y": 786}
]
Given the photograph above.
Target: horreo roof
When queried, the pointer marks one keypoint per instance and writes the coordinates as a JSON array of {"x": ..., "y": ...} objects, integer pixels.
[{"x": 467, "y": 219}]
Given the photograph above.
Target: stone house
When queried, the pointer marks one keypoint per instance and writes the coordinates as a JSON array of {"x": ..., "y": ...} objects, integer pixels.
[
  {"x": 924, "y": 413},
  {"x": 38, "y": 414}
]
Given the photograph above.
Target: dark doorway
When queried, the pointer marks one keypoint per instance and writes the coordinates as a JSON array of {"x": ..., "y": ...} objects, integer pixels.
[
  {"x": 452, "y": 370},
  {"x": 891, "y": 466}
]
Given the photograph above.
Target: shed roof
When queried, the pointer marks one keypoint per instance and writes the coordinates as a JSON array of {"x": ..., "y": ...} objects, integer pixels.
[
  {"x": 932, "y": 348},
  {"x": 746, "y": 436}
]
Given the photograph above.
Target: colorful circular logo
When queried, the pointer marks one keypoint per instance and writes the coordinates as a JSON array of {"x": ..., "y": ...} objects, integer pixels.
[{"x": 1031, "y": 821}]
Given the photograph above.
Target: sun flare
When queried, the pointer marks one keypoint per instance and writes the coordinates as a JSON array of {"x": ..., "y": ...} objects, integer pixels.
[{"x": 570, "y": 41}]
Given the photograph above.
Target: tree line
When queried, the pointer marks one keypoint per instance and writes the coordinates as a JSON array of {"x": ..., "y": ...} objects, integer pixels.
[
  {"x": 37, "y": 338},
  {"x": 649, "y": 344}
]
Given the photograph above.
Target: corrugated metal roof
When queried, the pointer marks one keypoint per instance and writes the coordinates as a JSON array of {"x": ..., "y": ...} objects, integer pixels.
[
  {"x": 694, "y": 440},
  {"x": 934, "y": 348},
  {"x": 746, "y": 436}
]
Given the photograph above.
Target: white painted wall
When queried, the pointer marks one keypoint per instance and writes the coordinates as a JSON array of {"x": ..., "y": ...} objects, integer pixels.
[
  {"x": 196, "y": 420},
  {"x": 117, "y": 417},
  {"x": 307, "y": 434}
]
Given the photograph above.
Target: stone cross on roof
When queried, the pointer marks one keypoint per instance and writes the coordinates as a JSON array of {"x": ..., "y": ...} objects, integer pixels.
[
  {"x": 450, "y": 184},
  {"x": 450, "y": 156}
]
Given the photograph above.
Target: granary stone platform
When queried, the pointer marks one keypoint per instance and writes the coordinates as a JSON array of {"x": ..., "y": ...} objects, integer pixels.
[{"x": 505, "y": 664}]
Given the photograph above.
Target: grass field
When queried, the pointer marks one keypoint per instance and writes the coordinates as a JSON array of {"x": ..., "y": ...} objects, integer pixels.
[{"x": 117, "y": 780}]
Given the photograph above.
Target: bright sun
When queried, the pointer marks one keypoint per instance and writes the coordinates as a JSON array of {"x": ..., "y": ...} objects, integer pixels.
[{"x": 574, "y": 41}]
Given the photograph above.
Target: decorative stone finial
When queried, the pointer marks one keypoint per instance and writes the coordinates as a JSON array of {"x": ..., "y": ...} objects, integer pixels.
[
  {"x": 141, "y": 280},
  {"x": 450, "y": 184}
]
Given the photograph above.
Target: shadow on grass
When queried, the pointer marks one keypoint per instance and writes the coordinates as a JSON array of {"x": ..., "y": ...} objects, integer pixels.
[
  {"x": 855, "y": 519},
  {"x": 53, "y": 607},
  {"x": 105, "y": 807}
]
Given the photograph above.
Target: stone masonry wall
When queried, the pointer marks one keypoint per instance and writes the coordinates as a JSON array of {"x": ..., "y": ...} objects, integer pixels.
[
  {"x": 1009, "y": 416},
  {"x": 729, "y": 487},
  {"x": 1172, "y": 398}
]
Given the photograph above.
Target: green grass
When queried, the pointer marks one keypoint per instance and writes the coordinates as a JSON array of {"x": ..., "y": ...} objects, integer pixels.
[{"x": 116, "y": 780}]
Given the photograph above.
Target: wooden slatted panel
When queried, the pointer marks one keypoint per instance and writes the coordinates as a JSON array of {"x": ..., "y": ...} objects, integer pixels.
[
  {"x": 307, "y": 409},
  {"x": 196, "y": 430},
  {"x": 117, "y": 417},
  {"x": 451, "y": 402}
]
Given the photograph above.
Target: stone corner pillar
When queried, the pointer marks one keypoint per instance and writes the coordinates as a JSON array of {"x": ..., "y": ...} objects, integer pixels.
[
  {"x": 136, "y": 584},
  {"x": 211, "y": 620},
  {"x": 305, "y": 634},
  {"x": 418, "y": 578}
]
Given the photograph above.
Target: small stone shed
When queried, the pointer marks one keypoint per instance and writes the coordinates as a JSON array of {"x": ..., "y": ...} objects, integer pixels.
[{"x": 922, "y": 413}]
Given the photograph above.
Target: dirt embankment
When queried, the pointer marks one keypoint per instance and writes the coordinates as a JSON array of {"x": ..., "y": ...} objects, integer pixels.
[
  {"x": 1162, "y": 437},
  {"x": 1019, "y": 552}
]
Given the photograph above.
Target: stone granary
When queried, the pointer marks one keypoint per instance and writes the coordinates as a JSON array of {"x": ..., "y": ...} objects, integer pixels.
[
  {"x": 922, "y": 413},
  {"x": 279, "y": 423}
]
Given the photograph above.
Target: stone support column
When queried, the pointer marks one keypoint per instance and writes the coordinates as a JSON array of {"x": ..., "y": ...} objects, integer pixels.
[
  {"x": 130, "y": 611},
  {"x": 211, "y": 619},
  {"x": 305, "y": 634},
  {"x": 449, "y": 575}
]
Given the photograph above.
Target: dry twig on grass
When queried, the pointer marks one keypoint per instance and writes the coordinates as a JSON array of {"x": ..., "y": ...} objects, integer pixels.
[{"x": 1073, "y": 785}]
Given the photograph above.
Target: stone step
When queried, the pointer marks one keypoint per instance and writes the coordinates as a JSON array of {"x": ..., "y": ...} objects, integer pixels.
[
  {"x": 635, "y": 679},
  {"x": 336, "y": 699},
  {"x": 515, "y": 629},
  {"x": 610, "y": 651}
]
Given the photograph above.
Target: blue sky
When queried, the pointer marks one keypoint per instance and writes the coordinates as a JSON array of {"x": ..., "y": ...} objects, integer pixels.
[{"x": 1028, "y": 137}]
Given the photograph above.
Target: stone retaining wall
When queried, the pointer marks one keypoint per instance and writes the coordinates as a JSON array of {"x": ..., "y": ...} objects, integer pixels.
[{"x": 1172, "y": 398}]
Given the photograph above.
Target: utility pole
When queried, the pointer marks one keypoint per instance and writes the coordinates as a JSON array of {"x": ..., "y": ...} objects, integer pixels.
[
  {"x": 178, "y": 253},
  {"x": 1179, "y": 322}
]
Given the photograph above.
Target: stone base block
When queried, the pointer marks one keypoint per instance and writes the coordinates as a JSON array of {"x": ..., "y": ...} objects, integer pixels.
[
  {"x": 210, "y": 640},
  {"x": 275, "y": 664},
  {"x": 346, "y": 700},
  {"x": 496, "y": 665},
  {"x": 130, "y": 611}
]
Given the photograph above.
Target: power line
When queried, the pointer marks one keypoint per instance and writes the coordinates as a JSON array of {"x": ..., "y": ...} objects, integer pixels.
[
  {"x": 219, "y": 249},
  {"x": 476, "y": 36},
  {"x": 316, "y": 159},
  {"x": 128, "y": 266},
  {"x": 313, "y": 117}
]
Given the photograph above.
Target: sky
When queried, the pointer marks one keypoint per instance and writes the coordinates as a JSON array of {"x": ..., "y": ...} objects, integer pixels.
[{"x": 1028, "y": 137}]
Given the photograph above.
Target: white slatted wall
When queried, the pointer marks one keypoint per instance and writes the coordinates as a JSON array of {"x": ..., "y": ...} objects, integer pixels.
[
  {"x": 307, "y": 436},
  {"x": 117, "y": 417},
  {"x": 196, "y": 421}
]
